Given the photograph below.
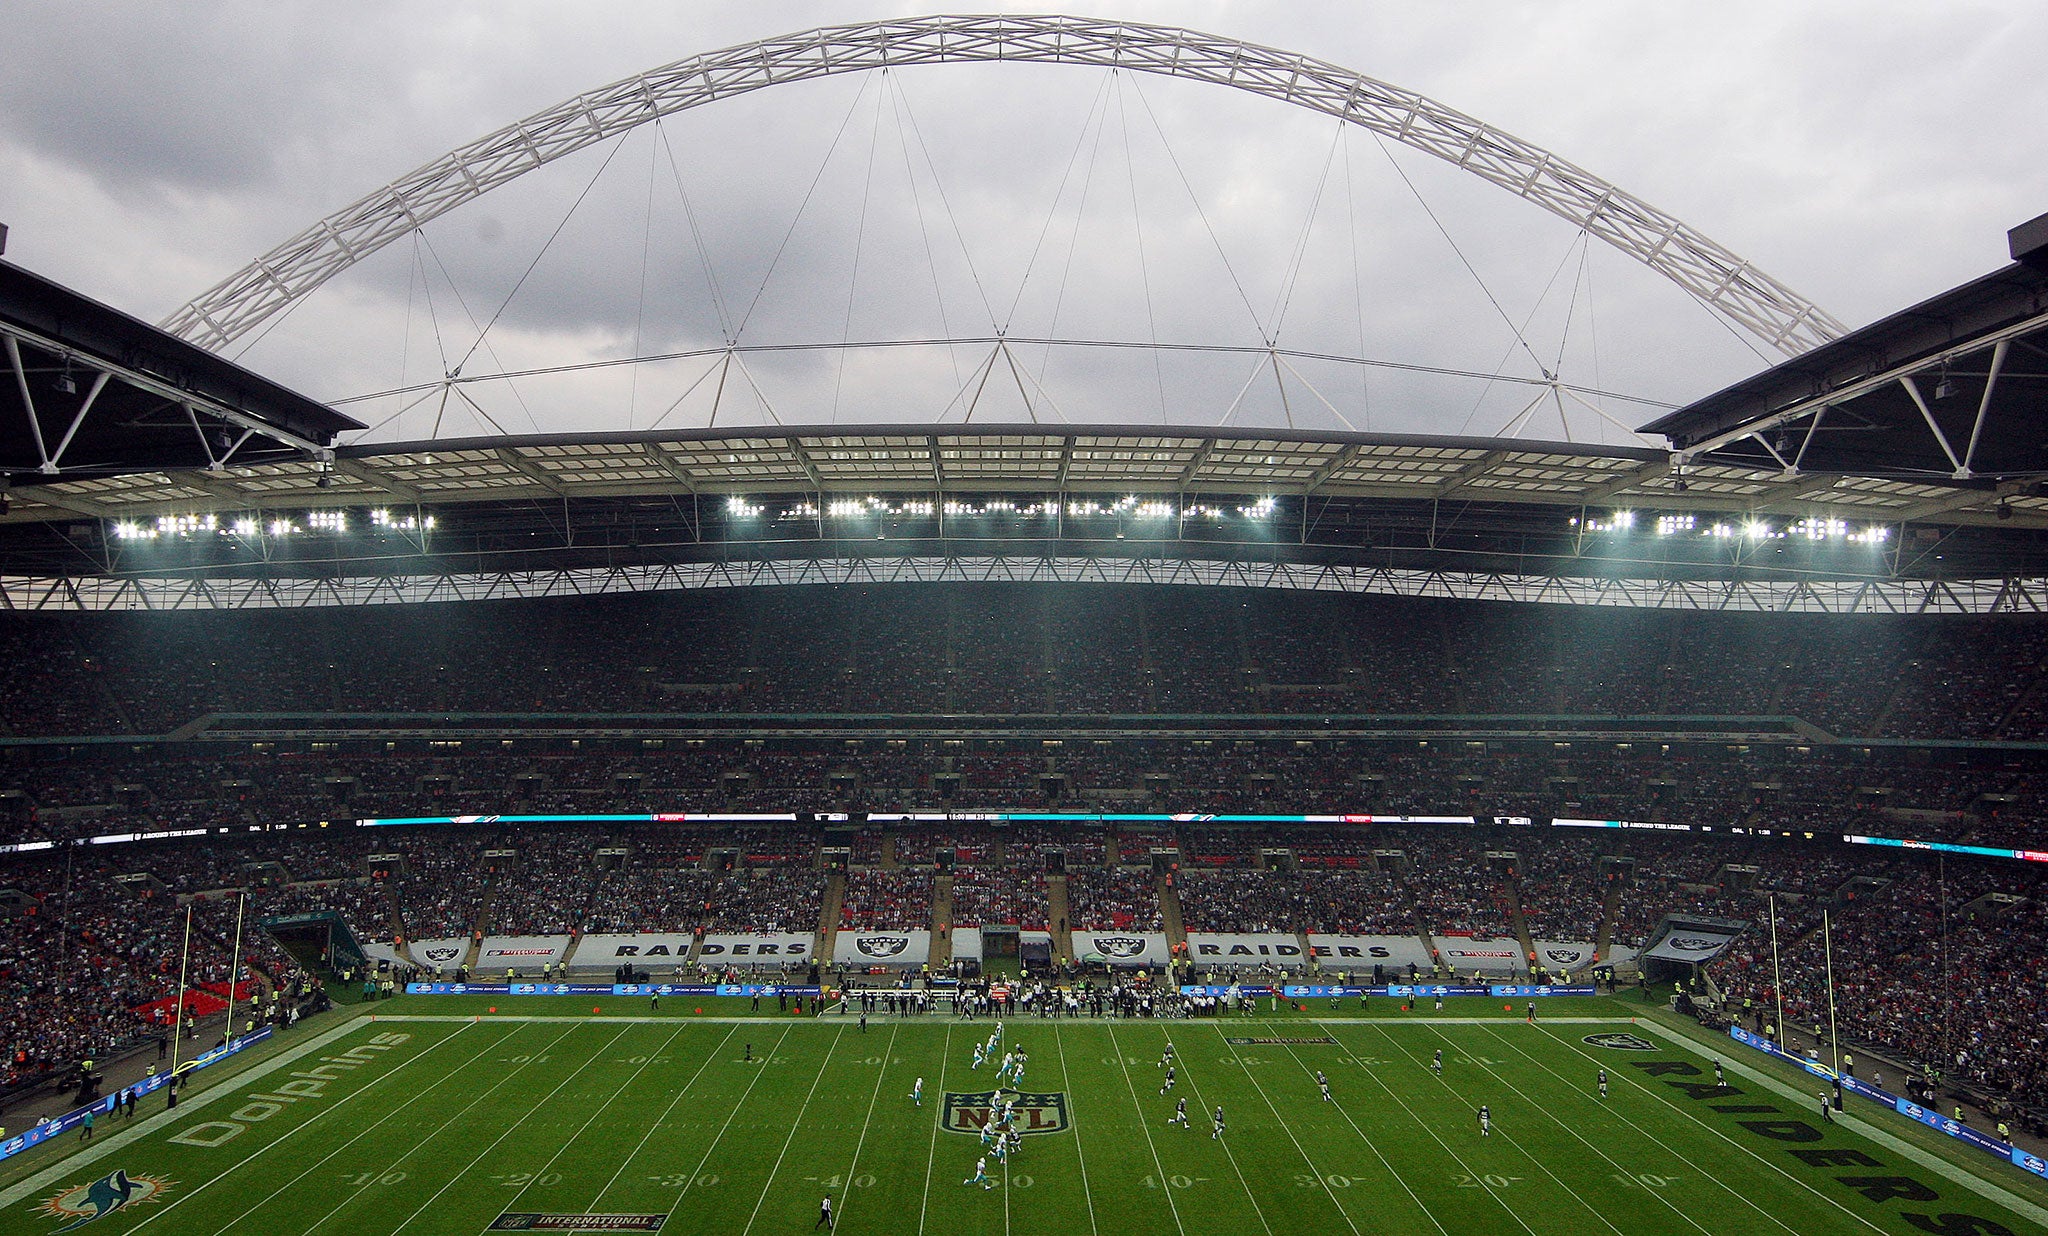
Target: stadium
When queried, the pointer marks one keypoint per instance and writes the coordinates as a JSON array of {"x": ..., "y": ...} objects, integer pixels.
[{"x": 1092, "y": 769}]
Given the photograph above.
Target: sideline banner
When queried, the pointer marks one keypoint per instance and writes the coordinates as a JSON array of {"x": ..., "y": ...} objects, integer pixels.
[
  {"x": 1464, "y": 953},
  {"x": 1278, "y": 948},
  {"x": 608, "y": 949},
  {"x": 762, "y": 950},
  {"x": 41, "y": 1133},
  {"x": 1498, "y": 991},
  {"x": 608, "y": 989},
  {"x": 1689, "y": 944},
  {"x": 1359, "y": 952},
  {"x": 443, "y": 954},
  {"x": 1563, "y": 954},
  {"x": 967, "y": 944},
  {"x": 882, "y": 948},
  {"x": 1122, "y": 948},
  {"x": 520, "y": 952}
]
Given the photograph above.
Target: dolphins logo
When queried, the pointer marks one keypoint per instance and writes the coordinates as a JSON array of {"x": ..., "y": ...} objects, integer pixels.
[{"x": 83, "y": 1203}]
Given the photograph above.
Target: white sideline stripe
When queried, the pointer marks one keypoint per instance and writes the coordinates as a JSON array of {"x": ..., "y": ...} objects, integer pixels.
[
  {"x": 72, "y": 1164},
  {"x": 1288, "y": 1023},
  {"x": 1927, "y": 1159}
]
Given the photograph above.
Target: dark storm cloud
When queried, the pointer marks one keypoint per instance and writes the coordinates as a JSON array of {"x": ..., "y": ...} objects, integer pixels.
[{"x": 1869, "y": 155}]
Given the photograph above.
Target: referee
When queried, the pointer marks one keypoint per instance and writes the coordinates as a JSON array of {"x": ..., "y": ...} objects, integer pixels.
[{"x": 824, "y": 1214}]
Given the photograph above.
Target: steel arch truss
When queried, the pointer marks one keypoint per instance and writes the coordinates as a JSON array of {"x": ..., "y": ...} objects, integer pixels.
[
  {"x": 1916, "y": 597},
  {"x": 1708, "y": 271}
]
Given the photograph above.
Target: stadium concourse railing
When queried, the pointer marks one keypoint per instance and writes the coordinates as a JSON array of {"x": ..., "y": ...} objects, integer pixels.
[
  {"x": 2025, "y": 1160},
  {"x": 38, "y": 1134}
]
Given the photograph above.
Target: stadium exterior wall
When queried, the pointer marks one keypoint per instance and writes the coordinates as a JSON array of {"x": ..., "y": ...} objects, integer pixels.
[{"x": 1804, "y": 596}]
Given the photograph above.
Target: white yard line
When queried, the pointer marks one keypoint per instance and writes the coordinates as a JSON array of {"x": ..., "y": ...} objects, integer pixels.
[
  {"x": 1647, "y": 1134},
  {"x": 479, "y": 1156},
  {"x": 624, "y": 1089},
  {"x": 1541, "y": 1164},
  {"x": 1479, "y": 1177},
  {"x": 99, "y": 1148},
  {"x": 1224, "y": 1142},
  {"x": 924, "y": 1204},
  {"x": 1073, "y": 1116},
  {"x": 1158, "y": 1164},
  {"x": 317, "y": 1163},
  {"x": 658, "y": 1121},
  {"x": 719, "y": 1136},
  {"x": 1331, "y": 1193},
  {"x": 1925, "y": 1158},
  {"x": 1396, "y": 1176},
  {"x": 801, "y": 1109},
  {"x": 869, "y": 1119}
]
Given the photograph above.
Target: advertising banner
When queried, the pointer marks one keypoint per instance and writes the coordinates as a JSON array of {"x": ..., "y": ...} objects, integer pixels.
[
  {"x": 761, "y": 950},
  {"x": 1280, "y": 949},
  {"x": 520, "y": 952},
  {"x": 70, "y": 1120},
  {"x": 442, "y": 954},
  {"x": 882, "y": 948},
  {"x": 1464, "y": 953},
  {"x": 1122, "y": 948},
  {"x": 1563, "y": 954},
  {"x": 1363, "y": 952},
  {"x": 1689, "y": 944}
]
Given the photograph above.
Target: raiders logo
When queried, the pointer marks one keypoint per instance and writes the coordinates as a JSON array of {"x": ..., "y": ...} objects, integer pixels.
[
  {"x": 1618, "y": 1041},
  {"x": 1695, "y": 944},
  {"x": 1564, "y": 956},
  {"x": 1043, "y": 1112},
  {"x": 442, "y": 954},
  {"x": 1120, "y": 946},
  {"x": 881, "y": 946}
]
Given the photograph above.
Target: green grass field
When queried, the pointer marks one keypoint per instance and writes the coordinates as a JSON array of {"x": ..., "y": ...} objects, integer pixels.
[{"x": 427, "y": 1121}]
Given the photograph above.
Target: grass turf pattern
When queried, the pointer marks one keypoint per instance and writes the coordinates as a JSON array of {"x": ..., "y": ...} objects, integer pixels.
[{"x": 440, "y": 1126}]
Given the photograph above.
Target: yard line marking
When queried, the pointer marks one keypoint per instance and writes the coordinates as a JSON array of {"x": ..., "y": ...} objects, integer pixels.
[
  {"x": 925, "y": 1199},
  {"x": 1332, "y": 1193},
  {"x": 288, "y": 1133},
  {"x": 801, "y": 1109},
  {"x": 1541, "y": 1165},
  {"x": 1073, "y": 1114},
  {"x": 1436, "y": 1137},
  {"x": 657, "y": 1122},
  {"x": 1165, "y": 1185},
  {"x": 1934, "y": 1163},
  {"x": 597, "y": 1111},
  {"x": 860, "y": 1141},
  {"x": 698, "y": 1171},
  {"x": 479, "y": 1156},
  {"x": 72, "y": 1164},
  {"x": 1398, "y": 1178},
  {"x": 1228, "y": 1153},
  {"x": 1746, "y": 1200}
]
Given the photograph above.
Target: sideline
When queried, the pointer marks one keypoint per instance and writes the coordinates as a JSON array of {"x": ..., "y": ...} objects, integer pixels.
[
  {"x": 1954, "y": 1173},
  {"x": 72, "y": 1164}
]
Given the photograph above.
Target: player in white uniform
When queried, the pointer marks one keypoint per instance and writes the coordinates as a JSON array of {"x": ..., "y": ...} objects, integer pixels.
[
  {"x": 917, "y": 1092},
  {"x": 980, "y": 1176},
  {"x": 980, "y": 1056}
]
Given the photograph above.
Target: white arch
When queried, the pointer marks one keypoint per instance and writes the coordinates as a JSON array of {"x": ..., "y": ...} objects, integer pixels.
[{"x": 1708, "y": 271}]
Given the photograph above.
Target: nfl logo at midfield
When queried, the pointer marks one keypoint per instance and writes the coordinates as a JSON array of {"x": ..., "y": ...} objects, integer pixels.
[{"x": 1044, "y": 1112}]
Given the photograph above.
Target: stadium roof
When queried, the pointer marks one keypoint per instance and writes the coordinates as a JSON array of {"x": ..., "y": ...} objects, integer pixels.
[
  {"x": 86, "y": 390},
  {"x": 1953, "y": 391}
]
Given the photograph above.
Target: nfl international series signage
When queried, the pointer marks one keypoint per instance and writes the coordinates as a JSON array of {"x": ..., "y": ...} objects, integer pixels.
[
  {"x": 520, "y": 952},
  {"x": 1363, "y": 952},
  {"x": 1122, "y": 948},
  {"x": 882, "y": 948},
  {"x": 1276, "y": 948},
  {"x": 1563, "y": 954},
  {"x": 1040, "y": 1112},
  {"x": 527, "y": 1221}
]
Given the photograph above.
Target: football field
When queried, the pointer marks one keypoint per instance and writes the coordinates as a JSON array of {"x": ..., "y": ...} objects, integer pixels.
[{"x": 427, "y": 1121}]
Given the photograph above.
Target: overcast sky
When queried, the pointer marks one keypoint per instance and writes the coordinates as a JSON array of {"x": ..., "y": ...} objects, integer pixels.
[{"x": 1869, "y": 154}]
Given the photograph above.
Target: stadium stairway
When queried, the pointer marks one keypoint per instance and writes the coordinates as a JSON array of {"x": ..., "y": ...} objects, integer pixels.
[
  {"x": 1610, "y": 914},
  {"x": 1519, "y": 921},
  {"x": 829, "y": 907},
  {"x": 1169, "y": 913},
  {"x": 942, "y": 923},
  {"x": 1056, "y": 906}
]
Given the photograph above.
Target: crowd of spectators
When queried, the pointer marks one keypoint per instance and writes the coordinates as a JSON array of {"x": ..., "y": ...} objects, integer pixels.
[
  {"x": 1113, "y": 899},
  {"x": 879, "y": 900}
]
